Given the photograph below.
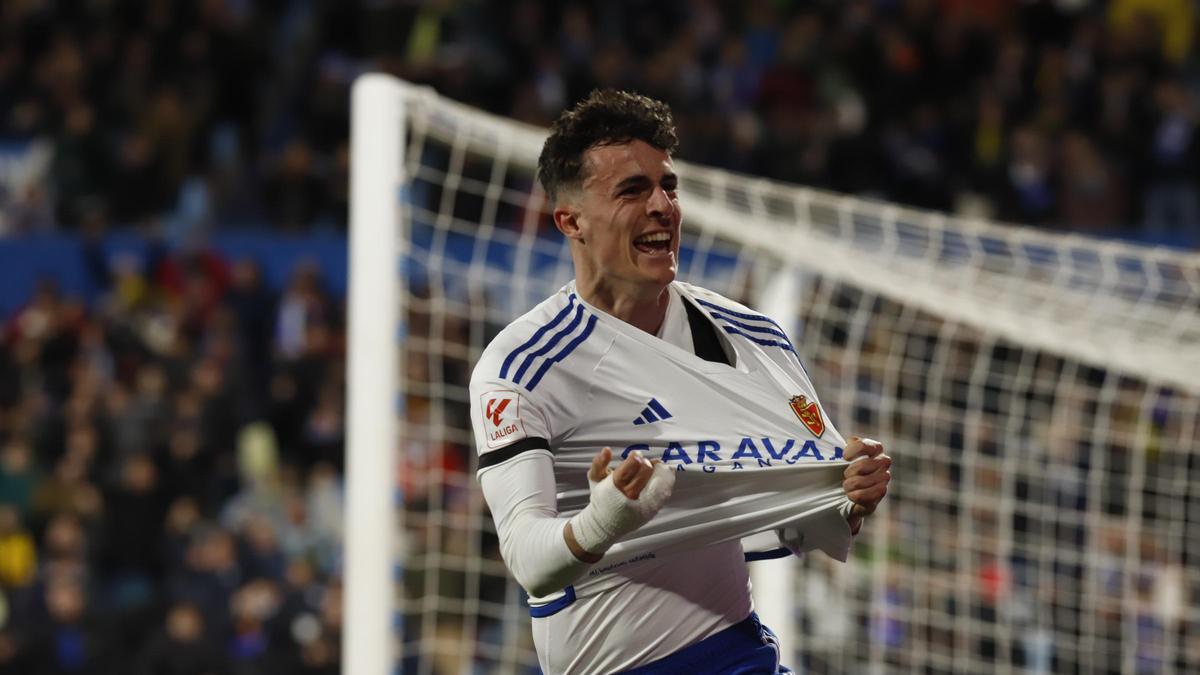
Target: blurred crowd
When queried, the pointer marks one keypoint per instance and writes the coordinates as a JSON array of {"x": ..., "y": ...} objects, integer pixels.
[
  {"x": 170, "y": 457},
  {"x": 1063, "y": 113},
  {"x": 170, "y": 462}
]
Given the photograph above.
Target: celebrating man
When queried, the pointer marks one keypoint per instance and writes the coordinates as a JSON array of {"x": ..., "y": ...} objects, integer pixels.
[{"x": 702, "y": 404}]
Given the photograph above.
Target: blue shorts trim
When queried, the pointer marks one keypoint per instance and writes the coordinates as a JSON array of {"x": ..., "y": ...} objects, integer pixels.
[
  {"x": 555, "y": 606},
  {"x": 745, "y": 648}
]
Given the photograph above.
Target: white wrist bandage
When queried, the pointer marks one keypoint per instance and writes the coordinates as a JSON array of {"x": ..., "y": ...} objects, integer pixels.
[{"x": 611, "y": 515}]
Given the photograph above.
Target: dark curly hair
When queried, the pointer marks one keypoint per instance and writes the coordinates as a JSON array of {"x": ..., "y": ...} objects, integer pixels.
[{"x": 605, "y": 117}]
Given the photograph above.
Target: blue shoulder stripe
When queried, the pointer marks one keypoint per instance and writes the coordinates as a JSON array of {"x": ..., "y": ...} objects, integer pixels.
[
  {"x": 717, "y": 311},
  {"x": 564, "y": 353},
  {"x": 742, "y": 315},
  {"x": 720, "y": 313},
  {"x": 786, "y": 346},
  {"x": 550, "y": 344},
  {"x": 750, "y": 327},
  {"x": 508, "y": 361}
]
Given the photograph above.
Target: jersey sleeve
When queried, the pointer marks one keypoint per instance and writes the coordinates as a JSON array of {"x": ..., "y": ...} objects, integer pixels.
[
  {"x": 507, "y": 420},
  {"x": 520, "y": 494},
  {"x": 516, "y": 471}
]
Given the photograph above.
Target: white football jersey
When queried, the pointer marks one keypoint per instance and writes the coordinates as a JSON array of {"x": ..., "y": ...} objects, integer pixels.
[{"x": 752, "y": 447}]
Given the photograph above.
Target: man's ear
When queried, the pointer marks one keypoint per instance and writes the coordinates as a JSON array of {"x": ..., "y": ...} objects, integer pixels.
[{"x": 567, "y": 221}]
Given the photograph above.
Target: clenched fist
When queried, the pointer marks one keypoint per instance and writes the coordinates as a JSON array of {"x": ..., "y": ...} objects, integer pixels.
[{"x": 865, "y": 480}]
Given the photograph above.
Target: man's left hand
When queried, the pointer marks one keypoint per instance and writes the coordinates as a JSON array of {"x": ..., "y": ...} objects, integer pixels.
[{"x": 865, "y": 480}]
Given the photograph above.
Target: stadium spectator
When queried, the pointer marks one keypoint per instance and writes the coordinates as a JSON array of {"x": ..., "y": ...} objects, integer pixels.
[
  {"x": 17, "y": 477},
  {"x": 181, "y": 647},
  {"x": 1172, "y": 195},
  {"x": 18, "y": 555},
  {"x": 69, "y": 637}
]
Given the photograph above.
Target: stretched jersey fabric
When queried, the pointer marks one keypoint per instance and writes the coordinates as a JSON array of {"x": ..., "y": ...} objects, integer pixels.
[{"x": 753, "y": 450}]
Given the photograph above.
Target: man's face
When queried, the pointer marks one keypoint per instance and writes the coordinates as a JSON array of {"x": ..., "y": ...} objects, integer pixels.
[{"x": 628, "y": 217}]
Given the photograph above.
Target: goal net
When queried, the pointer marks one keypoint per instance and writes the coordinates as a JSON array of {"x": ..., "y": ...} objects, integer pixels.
[{"x": 1039, "y": 394}]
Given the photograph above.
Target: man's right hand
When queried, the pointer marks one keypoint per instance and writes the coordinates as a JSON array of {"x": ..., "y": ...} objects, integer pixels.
[
  {"x": 629, "y": 477},
  {"x": 622, "y": 500}
]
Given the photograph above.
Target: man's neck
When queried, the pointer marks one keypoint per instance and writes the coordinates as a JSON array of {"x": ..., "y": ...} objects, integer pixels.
[{"x": 639, "y": 307}]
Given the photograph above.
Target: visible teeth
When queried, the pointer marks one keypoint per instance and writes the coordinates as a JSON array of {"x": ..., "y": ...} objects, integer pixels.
[{"x": 650, "y": 238}]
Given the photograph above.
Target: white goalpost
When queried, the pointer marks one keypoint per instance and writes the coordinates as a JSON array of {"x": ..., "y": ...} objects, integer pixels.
[
  {"x": 1040, "y": 394},
  {"x": 373, "y": 372}
]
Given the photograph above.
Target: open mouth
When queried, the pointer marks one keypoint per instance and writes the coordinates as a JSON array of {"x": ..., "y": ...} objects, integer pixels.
[{"x": 655, "y": 243}]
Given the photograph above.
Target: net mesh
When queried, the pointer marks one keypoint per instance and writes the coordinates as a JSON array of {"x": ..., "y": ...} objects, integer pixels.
[{"x": 1038, "y": 393}]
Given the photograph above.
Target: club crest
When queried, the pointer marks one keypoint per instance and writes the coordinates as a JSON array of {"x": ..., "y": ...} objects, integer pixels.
[{"x": 809, "y": 414}]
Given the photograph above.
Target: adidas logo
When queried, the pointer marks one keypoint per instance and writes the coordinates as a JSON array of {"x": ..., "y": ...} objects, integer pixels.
[{"x": 653, "y": 412}]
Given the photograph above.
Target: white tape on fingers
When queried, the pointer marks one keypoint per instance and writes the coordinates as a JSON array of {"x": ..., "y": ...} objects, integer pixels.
[
  {"x": 657, "y": 491},
  {"x": 611, "y": 515}
]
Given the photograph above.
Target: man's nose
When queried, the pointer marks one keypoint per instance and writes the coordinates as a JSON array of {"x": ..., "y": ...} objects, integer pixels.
[{"x": 660, "y": 203}]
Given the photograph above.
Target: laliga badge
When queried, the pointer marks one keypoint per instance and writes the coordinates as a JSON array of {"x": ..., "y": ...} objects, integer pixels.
[
  {"x": 501, "y": 417},
  {"x": 809, "y": 414}
]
